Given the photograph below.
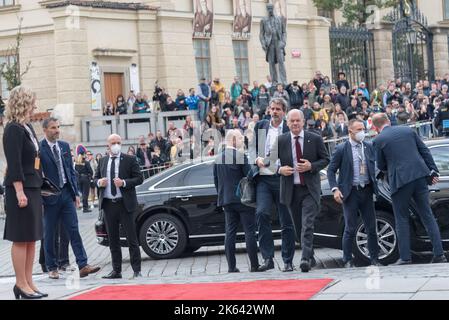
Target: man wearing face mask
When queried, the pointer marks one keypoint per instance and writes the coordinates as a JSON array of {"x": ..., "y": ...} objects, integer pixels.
[
  {"x": 117, "y": 177},
  {"x": 356, "y": 185}
]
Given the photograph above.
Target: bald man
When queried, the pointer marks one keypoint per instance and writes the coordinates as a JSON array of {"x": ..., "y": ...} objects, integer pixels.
[
  {"x": 117, "y": 177},
  {"x": 231, "y": 165},
  {"x": 302, "y": 158}
]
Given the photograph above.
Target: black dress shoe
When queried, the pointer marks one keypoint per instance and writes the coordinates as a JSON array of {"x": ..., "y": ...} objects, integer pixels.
[
  {"x": 349, "y": 264},
  {"x": 439, "y": 259},
  {"x": 113, "y": 275},
  {"x": 267, "y": 265},
  {"x": 235, "y": 270},
  {"x": 288, "y": 267},
  {"x": 401, "y": 262},
  {"x": 375, "y": 263},
  {"x": 254, "y": 269},
  {"x": 136, "y": 274},
  {"x": 305, "y": 265}
]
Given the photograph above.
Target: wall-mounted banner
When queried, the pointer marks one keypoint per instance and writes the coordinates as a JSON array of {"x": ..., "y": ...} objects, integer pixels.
[
  {"x": 280, "y": 9},
  {"x": 95, "y": 87},
  {"x": 242, "y": 19},
  {"x": 203, "y": 20},
  {"x": 134, "y": 78}
]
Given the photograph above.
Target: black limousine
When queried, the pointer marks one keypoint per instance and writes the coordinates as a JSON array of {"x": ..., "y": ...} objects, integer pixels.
[{"x": 178, "y": 213}]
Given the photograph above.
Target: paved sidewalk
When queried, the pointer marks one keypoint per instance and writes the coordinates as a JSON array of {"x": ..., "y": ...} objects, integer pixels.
[{"x": 420, "y": 281}]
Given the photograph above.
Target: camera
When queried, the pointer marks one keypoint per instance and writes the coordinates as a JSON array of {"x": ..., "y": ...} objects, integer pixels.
[{"x": 157, "y": 92}]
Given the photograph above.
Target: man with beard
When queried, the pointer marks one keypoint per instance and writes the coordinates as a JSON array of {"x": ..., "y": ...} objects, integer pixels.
[
  {"x": 203, "y": 19},
  {"x": 242, "y": 22}
]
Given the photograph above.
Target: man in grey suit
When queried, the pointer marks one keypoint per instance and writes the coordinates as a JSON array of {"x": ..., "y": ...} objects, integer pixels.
[
  {"x": 410, "y": 168},
  {"x": 231, "y": 165},
  {"x": 273, "y": 37},
  {"x": 302, "y": 158}
]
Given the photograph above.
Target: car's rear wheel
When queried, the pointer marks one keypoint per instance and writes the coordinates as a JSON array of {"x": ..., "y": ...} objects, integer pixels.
[
  {"x": 387, "y": 240},
  {"x": 163, "y": 236}
]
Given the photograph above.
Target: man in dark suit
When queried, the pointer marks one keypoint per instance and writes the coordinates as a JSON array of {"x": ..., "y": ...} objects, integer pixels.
[
  {"x": 58, "y": 167},
  {"x": 265, "y": 156},
  {"x": 410, "y": 167},
  {"x": 355, "y": 162},
  {"x": 341, "y": 128},
  {"x": 302, "y": 158},
  {"x": 231, "y": 165},
  {"x": 117, "y": 177}
]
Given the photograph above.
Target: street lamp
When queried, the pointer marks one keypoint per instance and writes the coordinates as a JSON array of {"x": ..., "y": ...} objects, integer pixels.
[{"x": 412, "y": 36}]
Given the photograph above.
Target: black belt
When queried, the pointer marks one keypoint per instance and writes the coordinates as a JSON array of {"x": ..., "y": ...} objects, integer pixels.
[
  {"x": 114, "y": 200},
  {"x": 358, "y": 188}
]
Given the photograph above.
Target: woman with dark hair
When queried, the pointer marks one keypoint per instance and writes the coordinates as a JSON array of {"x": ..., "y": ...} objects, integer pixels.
[
  {"x": 23, "y": 182},
  {"x": 121, "y": 106}
]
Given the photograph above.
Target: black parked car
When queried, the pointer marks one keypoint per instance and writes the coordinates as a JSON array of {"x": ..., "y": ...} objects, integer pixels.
[{"x": 178, "y": 213}]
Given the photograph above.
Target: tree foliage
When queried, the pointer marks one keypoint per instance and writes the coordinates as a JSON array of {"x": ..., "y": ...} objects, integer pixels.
[
  {"x": 10, "y": 70},
  {"x": 355, "y": 12}
]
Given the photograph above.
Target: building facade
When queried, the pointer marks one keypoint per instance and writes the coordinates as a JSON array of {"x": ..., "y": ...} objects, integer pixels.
[{"x": 82, "y": 51}]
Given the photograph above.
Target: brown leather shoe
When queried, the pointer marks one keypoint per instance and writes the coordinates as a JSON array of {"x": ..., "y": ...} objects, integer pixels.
[
  {"x": 53, "y": 274},
  {"x": 84, "y": 272}
]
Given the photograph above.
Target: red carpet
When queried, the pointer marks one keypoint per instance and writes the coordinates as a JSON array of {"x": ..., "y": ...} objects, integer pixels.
[{"x": 252, "y": 290}]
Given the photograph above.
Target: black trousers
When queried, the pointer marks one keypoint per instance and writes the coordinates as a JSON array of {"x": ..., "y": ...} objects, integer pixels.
[
  {"x": 84, "y": 185},
  {"x": 114, "y": 215},
  {"x": 234, "y": 215}
]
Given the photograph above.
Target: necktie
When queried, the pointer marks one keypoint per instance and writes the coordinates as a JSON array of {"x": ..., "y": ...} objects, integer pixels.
[
  {"x": 58, "y": 165},
  {"x": 361, "y": 174},
  {"x": 299, "y": 156},
  {"x": 112, "y": 175}
]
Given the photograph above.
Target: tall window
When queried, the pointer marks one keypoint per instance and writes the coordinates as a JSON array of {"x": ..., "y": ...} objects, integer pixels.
[
  {"x": 241, "y": 60},
  {"x": 202, "y": 58},
  {"x": 4, "y": 3},
  {"x": 4, "y": 92},
  {"x": 446, "y": 9}
]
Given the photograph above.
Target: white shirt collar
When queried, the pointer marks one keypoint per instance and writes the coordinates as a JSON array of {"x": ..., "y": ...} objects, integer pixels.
[
  {"x": 354, "y": 143},
  {"x": 117, "y": 156},
  {"x": 281, "y": 126},
  {"x": 301, "y": 134},
  {"x": 51, "y": 144}
]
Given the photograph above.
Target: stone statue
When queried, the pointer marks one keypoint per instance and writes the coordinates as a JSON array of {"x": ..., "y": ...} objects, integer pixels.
[{"x": 273, "y": 37}]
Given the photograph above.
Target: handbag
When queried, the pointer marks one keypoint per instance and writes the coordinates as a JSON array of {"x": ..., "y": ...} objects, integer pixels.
[
  {"x": 49, "y": 189},
  {"x": 246, "y": 191}
]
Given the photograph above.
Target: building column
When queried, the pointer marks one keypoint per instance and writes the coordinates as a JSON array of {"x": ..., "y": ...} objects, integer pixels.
[
  {"x": 440, "y": 50},
  {"x": 383, "y": 51},
  {"x": 72, "y": 70},
  {"x": 147, "y": 39},
  {"x": 319, "y": 45}
]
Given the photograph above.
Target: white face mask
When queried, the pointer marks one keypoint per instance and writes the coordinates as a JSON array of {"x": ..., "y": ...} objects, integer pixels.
[
  {"x": 116, "y": 148},
  {"x": 360, "y": 136}
]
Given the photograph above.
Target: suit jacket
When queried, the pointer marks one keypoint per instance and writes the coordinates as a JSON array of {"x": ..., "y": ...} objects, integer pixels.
[
  {"x": 343, "y": 162},
  {"x": 341, "y": 132},
  {"x": 201, "y": 21},
  {"x": 20, "y": 156},
  {"x": 267, "y": 33},
  {"x": 129, "y": 171},
  {"x": 402, "y": 153},
  {"x": 51, "y": 170},
  {"x": 227, "y": 176},
  {"x": 315, "y": 151},
  {"x": 141, "y": 157}
]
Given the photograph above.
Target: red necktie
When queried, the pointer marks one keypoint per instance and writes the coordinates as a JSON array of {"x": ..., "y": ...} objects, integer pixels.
[{"x": 298, "y": 157}]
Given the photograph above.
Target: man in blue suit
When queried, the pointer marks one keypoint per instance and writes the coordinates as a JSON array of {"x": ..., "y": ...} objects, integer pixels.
[
  {"x": 355, "y": 162},
  {"x": 409, "y": 166},
  {"x": 231, "y": 165},
  {"x": 58, "y": 167}
]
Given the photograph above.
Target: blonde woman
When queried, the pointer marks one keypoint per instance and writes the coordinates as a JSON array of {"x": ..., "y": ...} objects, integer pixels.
[{"x": 23, "y": 181}]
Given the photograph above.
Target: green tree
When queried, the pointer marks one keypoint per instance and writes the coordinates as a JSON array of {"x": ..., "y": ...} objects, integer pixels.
[
  {"x": 354, "y": 11},
  {"x": 10, "y": 70}
]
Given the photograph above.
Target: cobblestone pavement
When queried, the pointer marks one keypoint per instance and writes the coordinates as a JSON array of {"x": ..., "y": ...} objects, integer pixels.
[{"x": 209, "y": 265}]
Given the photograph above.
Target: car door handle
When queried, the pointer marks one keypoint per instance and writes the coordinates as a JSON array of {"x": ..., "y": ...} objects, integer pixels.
[
  {"x": 184, "y": 198},
  {"x": 434, "y": 190}
]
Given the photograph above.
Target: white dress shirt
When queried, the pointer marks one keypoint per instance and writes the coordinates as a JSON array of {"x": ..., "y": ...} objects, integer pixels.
[
  {"x": 52, "y": 144},
  {"x": 272, "y": 135},
  {"x": 295, "y": 160},
  {"x": 107, "y": 191}
]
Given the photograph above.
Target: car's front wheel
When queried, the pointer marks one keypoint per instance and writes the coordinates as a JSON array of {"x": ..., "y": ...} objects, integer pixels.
[
  {"x": 387, "y": 240},
  {"x": 163, "y": 236}
]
